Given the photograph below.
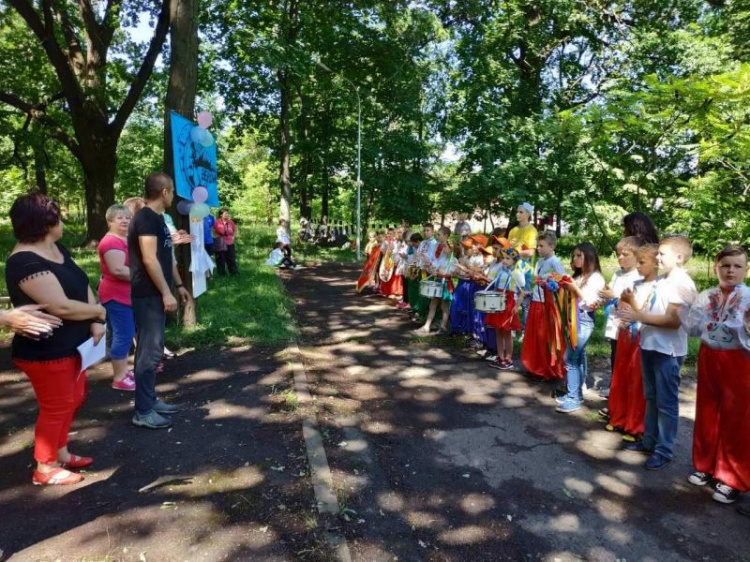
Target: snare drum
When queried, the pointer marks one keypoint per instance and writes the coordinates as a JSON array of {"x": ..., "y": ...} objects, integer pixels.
[
  {"x": 489, "y": 302},
  {"x": 431, "y": 289}
]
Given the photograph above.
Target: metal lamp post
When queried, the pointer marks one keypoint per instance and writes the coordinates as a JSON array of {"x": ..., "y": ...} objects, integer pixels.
[{"x": 359, "y": 156}]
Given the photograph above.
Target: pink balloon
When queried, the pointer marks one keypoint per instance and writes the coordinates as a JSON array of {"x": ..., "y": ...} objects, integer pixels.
[
  {"x": 205, "y": 119},
  {"x": 200, "y": 194}
]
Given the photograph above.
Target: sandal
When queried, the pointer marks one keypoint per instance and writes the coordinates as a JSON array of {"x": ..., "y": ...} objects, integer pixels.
[
  {"x": 55, "y": 477},
  {"x": 77, "y": 462}
]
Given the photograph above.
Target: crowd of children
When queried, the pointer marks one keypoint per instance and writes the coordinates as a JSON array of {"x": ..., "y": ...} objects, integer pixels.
[{"x": 514, "y": 288}]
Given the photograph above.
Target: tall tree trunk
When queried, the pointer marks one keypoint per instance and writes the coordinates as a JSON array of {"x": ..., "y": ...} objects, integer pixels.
[
  {"x": 285, "y": 146},
  {"x": 99, "y": 165},
  {"x": 183, "y": 82}
]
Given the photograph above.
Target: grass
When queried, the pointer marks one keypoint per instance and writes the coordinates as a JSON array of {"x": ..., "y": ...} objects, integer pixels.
[{"x": 235, "y": 311}]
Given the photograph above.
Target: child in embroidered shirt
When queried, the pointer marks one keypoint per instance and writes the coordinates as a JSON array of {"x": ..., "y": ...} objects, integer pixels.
[
  {"x": 623, "y": 278},
  {"x": 721, "y": 440},
  {"x": 441, "y": 267},
  {"x": 587, "y": 282},
  {"x": 663, "y": 350},
  {"x": 536, "y": 352},
  {"x": 506, "y": 278}
]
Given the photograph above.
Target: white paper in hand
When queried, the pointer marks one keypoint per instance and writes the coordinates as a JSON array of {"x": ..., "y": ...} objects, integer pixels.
[{"x": 92, "y": 353}]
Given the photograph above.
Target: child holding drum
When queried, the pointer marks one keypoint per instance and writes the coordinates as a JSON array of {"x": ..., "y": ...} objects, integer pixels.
[
  {"x": 506, "y": 280},
  {"x": 440, "y": 288}
]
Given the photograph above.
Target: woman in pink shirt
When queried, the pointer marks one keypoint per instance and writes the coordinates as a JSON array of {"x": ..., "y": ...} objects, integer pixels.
[
  {"x": 226, "y": 257},
  {"x": 114, "y": 294}
]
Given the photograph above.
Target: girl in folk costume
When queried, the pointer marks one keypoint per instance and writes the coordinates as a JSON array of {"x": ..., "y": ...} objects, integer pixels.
[
  {"x": 391, "y": 283},
  {"x": 721, "y": 441},
  {"x": 627, "y": 402},
  {"x": 443, "y": 268},
  {"x": 543, "y": 341},
  {"x": 504, "y": 277},
  {"x": 402, "y": 263},
  {"x": 425, "y": 255},
  {"x": 586, "y": 283},
  {"x": 368, "y": 277},
  {"x": 468, "y": 267},
  {"x": 400, "y": 254},
  {"x": 412, "y": 274}
]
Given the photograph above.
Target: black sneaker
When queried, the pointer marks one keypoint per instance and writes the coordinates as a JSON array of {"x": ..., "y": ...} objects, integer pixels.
[
  {"x": 744, "y": 509},
  {"x": 725, "y": 494},
  {"x": 699, "y": 478}
]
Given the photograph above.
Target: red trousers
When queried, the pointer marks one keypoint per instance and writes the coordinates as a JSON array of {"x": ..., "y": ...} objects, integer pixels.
[
  {"x": 60, "y": 391},
  {"x": 721, "y": 440},
  {"x": 394, "y": 286},
  {"x": 627, "y": 402}
]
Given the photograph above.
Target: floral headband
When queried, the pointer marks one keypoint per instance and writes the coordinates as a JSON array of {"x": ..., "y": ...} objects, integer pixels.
[{"x": 510, "y": 253}]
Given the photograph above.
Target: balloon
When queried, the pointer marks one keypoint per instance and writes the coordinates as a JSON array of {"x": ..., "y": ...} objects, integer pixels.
[
  {"x": 200, "y": 194},
  {"x": 205, "y": 119},
  {"x": 199, "y": 210},
  {"x": 196, "y": 133},
  {"x": 207, "y": 139},
  {"x": 183, "y": 207}
]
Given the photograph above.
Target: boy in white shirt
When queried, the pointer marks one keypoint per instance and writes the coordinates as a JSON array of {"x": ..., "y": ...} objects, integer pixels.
[
  {"x": 623, "y": 279},
  {"x": 663, "y": 350}
]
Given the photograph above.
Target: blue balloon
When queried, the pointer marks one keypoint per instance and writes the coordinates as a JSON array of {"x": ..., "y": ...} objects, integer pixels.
[{"x": 196, "y": 133}]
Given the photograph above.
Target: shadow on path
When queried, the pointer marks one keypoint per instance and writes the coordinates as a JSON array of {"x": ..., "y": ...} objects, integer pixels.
[{"x": 438, "y": 457}]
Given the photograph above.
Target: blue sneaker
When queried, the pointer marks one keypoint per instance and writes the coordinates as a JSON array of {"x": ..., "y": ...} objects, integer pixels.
[
  {"x": 568, "y": 407},
  {"x": 561, "y": 399},
  {"x": 165, "y": 409},
  {"x": 637, "y": 447},
  {"x": 657, "y": 461}
]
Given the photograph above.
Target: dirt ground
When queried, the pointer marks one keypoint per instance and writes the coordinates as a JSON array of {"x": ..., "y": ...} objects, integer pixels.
[
  {"x": 438, "y": 457},
  {"x": 228, "y": 482}
]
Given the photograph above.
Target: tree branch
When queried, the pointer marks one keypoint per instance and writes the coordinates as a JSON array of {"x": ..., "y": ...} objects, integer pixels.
[
  {"x": 144, "y": 73},
  {"x": 45, "y": 32},
  {"x": 38, "y": 113}
]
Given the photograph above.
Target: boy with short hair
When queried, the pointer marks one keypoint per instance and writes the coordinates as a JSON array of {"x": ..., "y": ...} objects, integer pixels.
[
  {"x": 536, "y": 353},
  {"x": 623, "y": 279},
  {"x": 663, "y": 350}
]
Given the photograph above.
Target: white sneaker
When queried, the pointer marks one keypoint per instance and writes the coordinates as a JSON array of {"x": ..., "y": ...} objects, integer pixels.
[{"x": 490, "y": 357}]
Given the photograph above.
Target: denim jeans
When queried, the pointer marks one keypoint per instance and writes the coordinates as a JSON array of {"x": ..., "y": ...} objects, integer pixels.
[
  {"x": 661, "y": 386},
  {"x": 150, "y": 321},
  {"x": 121, "y": 321},
  {"x": 575, "y": 359}
]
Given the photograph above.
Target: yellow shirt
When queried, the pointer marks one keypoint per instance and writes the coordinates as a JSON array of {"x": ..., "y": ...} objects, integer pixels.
[{"x": 525, "y": 236}]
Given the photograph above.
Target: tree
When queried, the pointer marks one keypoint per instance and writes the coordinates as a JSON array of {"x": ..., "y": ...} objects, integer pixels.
[{"x": 76, "y": 45}]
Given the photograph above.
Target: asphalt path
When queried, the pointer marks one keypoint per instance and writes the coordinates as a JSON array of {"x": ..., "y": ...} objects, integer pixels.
[{"x": 435, "y": 456}]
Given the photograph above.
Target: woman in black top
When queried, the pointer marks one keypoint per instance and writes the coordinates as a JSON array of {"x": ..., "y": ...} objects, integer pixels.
[{"x": 41, "y": 271}]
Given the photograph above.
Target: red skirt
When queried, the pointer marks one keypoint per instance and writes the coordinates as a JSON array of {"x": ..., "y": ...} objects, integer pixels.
[
  {"x": 394, "y": 286},
  {"x": 509, "y": 318},
  {"x": 721, "y": 440},
  {"x": 627, "y": 403},
  {"x": 536, "y": 353}
]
